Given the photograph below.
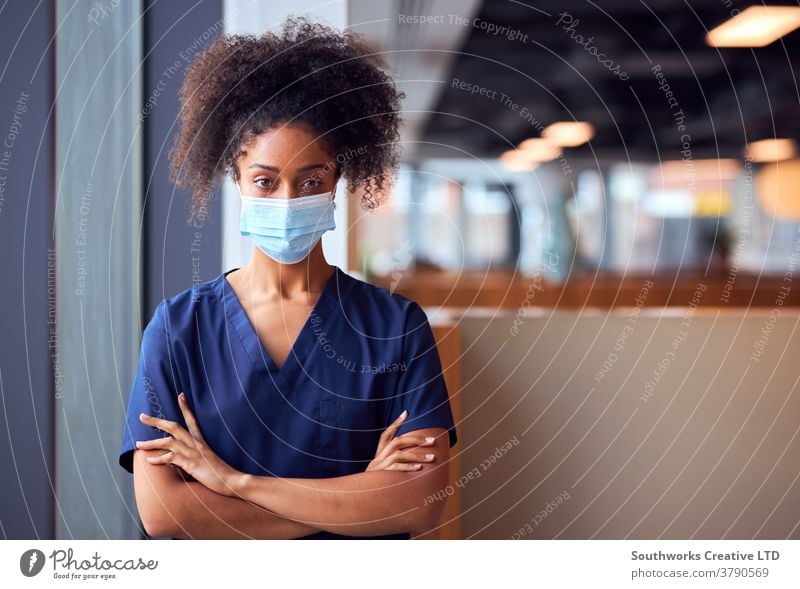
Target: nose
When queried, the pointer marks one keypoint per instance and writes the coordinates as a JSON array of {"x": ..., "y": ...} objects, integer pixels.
[{"x": 284, "y": 191}]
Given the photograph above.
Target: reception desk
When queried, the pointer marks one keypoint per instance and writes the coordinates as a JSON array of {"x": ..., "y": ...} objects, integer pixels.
[{"x": 625, "y": 423}]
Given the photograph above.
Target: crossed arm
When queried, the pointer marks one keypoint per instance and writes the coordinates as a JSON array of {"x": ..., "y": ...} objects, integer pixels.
[
  {"x": 223, "y": 503},
  {"x": 171, "y": 506},
  {"x": 364, "y": 504}
]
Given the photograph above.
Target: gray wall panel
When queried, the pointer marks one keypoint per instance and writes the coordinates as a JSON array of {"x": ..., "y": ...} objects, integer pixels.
[
  {"x": 176, "y": 254},
  {"x": 26, "y": 209}
]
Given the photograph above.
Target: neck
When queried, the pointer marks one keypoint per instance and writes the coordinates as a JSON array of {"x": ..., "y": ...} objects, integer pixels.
[{"x": 265, "y": 275}]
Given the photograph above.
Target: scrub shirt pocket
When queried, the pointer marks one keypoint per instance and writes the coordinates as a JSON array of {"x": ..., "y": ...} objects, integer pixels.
[{"x": 349, "y": 431}]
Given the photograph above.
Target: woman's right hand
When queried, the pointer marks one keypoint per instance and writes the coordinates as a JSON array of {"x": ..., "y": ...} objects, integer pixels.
[{"x": 406, "y": 452}]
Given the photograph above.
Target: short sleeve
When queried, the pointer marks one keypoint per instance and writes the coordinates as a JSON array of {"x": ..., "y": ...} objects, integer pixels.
[
  {"x": 421, "y": 387},
  {"x": 154, "y": 390}
]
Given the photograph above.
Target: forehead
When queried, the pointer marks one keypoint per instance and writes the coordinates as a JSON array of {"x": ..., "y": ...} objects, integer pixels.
[{"x": 291, "y": 145}]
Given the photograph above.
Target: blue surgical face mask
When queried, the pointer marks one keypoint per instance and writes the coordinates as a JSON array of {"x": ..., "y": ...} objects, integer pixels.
[{"x": 286, "y": 229}]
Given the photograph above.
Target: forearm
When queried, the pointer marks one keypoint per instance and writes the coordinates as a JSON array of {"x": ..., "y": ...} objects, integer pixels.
[
  {"x": 364, "y": 504},
  {"x": 191, "y": 511}
]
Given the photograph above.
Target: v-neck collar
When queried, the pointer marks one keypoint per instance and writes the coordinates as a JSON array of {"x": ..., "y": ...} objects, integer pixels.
[{"x": 303, "y": 348}]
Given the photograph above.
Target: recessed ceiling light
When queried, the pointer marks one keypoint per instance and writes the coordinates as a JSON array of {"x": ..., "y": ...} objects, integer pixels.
[
  {"x": 775, "y": 187},
  {"x": 772, "y": 150},
  {"x": 756, "y": 26},
  {"x": 569, "y": 134},
  {"x": 540, "y": 150},
  {"x": 685, "y": 172}
]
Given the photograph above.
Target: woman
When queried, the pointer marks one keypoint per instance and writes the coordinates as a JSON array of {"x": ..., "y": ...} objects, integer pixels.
[{"x": 297, "y": 401}]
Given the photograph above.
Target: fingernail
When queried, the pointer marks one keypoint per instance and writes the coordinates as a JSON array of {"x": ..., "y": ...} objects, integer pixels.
[
  {"x": 417, "y": 466},
  {"x": 430, "y": 439},
  {"x": 404, "y": 413},
  {"x": 138, "y": 443},
  {"x": 429, "y": 456}
]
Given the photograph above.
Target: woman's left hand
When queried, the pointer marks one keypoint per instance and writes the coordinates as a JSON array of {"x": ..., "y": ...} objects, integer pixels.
[{"x": 189, "y": 451}]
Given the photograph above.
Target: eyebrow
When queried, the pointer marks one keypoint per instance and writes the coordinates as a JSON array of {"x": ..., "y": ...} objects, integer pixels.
[{"x": 277, "y": 171}]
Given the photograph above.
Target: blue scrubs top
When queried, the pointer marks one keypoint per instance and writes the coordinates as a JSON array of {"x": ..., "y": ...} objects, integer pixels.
[{"x": 362, "y": 356}]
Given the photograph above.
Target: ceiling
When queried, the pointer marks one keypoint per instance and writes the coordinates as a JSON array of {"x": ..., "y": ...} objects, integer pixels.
[
  {"x": 419, "y": 57},
  {"x": 728, "y": 96}
]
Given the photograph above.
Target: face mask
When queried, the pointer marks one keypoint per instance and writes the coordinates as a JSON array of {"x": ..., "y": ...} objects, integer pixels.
[{"x": 287, "y": 229}]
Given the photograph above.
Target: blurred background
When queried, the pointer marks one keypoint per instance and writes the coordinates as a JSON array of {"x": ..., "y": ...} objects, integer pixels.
[{"x": 598, "y": 208}]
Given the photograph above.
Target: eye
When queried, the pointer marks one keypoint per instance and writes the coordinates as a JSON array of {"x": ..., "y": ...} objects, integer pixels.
[
  {"x": 310, "y": 184},
  {"x": 267, "y": 182}
]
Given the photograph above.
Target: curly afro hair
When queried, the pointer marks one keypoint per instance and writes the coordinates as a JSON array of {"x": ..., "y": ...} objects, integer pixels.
[{"x": 309, "y": 74}]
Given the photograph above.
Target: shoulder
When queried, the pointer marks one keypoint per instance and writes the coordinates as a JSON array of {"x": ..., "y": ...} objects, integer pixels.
[
  {"x": 392, "y": 318},
  {"x": 178, "y": 311},
  {"x": 372, "y": 298}
]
